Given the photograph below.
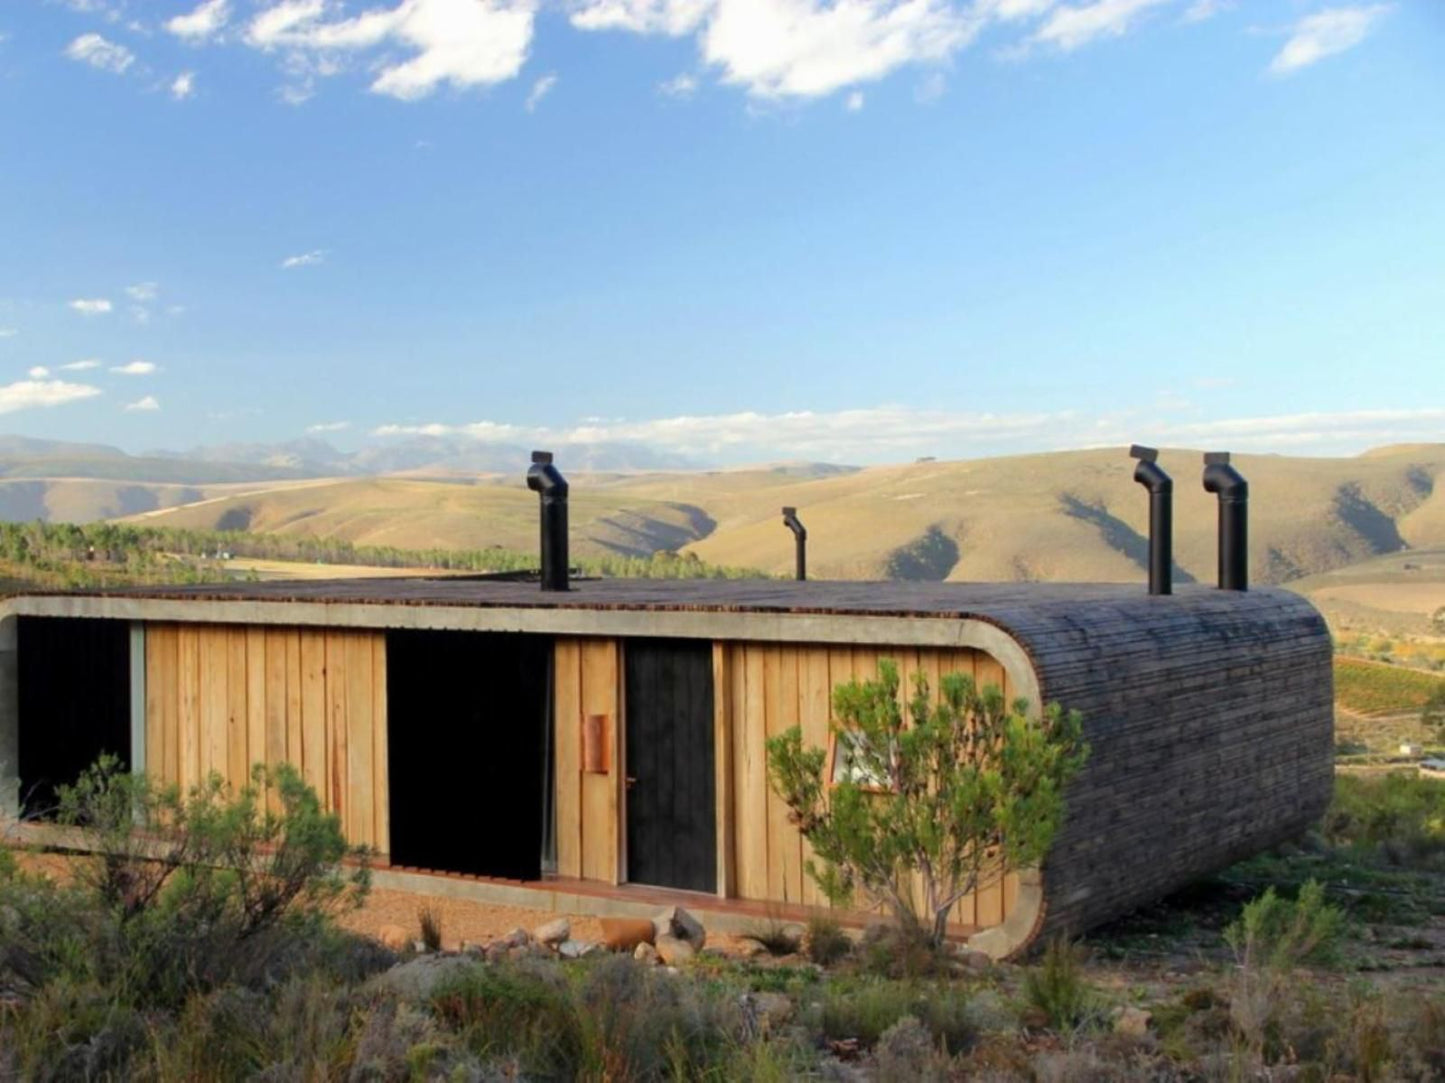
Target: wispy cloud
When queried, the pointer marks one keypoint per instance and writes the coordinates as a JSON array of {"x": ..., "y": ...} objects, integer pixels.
[
  {"x": 461, "y": 43},
  {"x": 29, "y": 394},
  {"x": 540, "y": 89},
  {"x": 894, "y": 433},
  {"x": 1324, "y": 34},
  {"x": 1069, "y": 28},
  {"x": 91, "y": 306},
  {"x": 135, "y": 368},
  {"x": 854, "y": 102},
  {"x": 99, "y": 53},
  {"x": 1202, "y": 10},
  {"x": 328, "y": 426},
  {"x": 9, "y": 332},
  {"x": 306, "y": 259},
  {"x": 183, "y": 86},
  {"x": 81, "y": 366},
  {"x": 681, "y": 85},
  {"x": 144, "y": 404},
  {"x": 202, "y": 24},
  {"x": 39, "y": 372},
  {"x": 931, "y": 88},
  {"x": 143, "y": 291}
]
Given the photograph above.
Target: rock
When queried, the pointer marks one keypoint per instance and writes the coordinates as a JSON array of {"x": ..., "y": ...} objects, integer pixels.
[
  {"x": 576, "y": 949},
  {"x": 394, "y": 937},
  {"x": 646, "y": 953},
  {"x": 1132, "y": 1021},
  {"x": 517, "y": 938},
  {"x": 674, "y": 951},
  {"x": 675, "y": 921},
  {"x": 418, "y": 978},
  {"x": 976, "y": 960},
  {"x": 419, "y": 946},
  {"x": 624, "y": 934},
  {"x": 752, "y": 949},
  {"x": 553, "y": 933}
]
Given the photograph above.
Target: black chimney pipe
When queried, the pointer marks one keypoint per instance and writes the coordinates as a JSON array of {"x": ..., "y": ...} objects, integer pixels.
[
  {"x": 1161, "y": 517},
  {"x": 547, "y": 481},
  {"x": 800, "y": 532},
  {"x": 1233, "y": 492}
]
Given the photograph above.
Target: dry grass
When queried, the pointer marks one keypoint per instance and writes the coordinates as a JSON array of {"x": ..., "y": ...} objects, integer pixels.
[{"x": 1059, "y": 516}]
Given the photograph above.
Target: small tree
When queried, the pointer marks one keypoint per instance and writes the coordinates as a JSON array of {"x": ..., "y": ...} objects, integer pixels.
[{"x": 969, "y": 792}]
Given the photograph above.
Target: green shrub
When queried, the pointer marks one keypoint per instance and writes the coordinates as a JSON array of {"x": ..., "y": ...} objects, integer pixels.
[
  {"x": 430, "y": 920},
  {"x": 825, "y": 941},
  {"x": 865, "y": 1009},
  {"x": 1281, "y": 934},
  {"x": 1057, "y": 989},
  {"x": 969, "y": 791},
  {"x": 1398, "y": 816}
]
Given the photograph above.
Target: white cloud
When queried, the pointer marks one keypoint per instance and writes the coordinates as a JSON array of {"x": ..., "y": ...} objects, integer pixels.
[
  {"x": 105, "y": 55},
  {"x": 1324, "y": 34},
  {"x": 540, "y": 89},
  {"x": 39, "y": 372},
  {"x": 28, "y": 394},
  {"x": 681, "y": 85},
  {"x": 1202, "y": 10},
  {"x": 202, "y": 24},
  {"x": 463, "y": 43},
  {"x": 895, "y": 433},
  {"x": 328, "y": 426},
  {"x": 81, "y": 366},
  {"x": 143, "y": 291},
  {"x": 91, "y": 306},
  {"x": 671, "y": 17},
  {"x": 854, "y": 101},
  {"x": 306, "y": 259},
  {"x": 808, "y": 48},
  {"x": 1009, "y": 10},
  {"x": 148, "y": 403},
  {"x": 183, "y": 86},
  {"x": 9, "y": 332},
  {"x": 1069, "y": 28},
  {"x": 135, "y": 368}
]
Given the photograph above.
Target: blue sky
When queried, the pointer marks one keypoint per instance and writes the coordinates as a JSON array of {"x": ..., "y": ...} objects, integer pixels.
[{"x": 859, "y": 230}]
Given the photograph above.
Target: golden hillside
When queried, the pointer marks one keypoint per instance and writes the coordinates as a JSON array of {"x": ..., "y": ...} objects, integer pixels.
[{"x": 1066, "y": 515}]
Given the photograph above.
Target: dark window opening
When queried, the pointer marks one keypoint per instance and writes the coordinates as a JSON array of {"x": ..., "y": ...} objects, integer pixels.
[
  {"x": 74, "y": 703},
  {"x": 467, "y": 724}
]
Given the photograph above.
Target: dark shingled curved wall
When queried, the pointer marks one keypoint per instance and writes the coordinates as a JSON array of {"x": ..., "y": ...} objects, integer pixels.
[{"x": 1211, "y": 721}]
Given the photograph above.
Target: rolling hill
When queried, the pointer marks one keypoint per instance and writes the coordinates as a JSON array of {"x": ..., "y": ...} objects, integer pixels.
[{"x": 1066, "y": 515}]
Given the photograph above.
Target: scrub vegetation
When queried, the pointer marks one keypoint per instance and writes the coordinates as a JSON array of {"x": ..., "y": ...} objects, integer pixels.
[{"x": 207, "y": 947}]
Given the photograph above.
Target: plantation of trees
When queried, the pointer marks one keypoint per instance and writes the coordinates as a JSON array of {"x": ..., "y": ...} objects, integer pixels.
[{"x": 100, "y": 554}]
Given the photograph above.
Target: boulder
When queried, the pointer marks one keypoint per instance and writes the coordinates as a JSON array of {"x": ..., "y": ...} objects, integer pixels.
[
  {"x": 646, "y": 953},
  {"x": 1132, "y": 1021},
  {"x": 576, "y": 949},
  {"x": 624, "y": 934},
  {"x": 553, "y": 933},
  {"x": 674, "y": 951},
  {"x": 394, "y": 937},
  {"x": 675, "y": 921},
  {"x": 771, "y": 1009},
  {"x": 517, "y": 938}
]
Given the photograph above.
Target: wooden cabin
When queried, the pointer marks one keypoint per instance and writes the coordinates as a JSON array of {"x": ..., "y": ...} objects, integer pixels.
[{"x": 602, "y": 749}]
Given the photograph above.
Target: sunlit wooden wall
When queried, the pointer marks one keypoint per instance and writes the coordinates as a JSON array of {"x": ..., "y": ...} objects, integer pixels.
[
  {"x": 762, "y": 690},
  {"x": 588, "y": 680},
  {"x": 223, "y": 697}
]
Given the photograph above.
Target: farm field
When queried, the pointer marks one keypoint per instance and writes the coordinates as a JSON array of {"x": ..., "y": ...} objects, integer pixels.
[{"x": 1377, "y": 688}]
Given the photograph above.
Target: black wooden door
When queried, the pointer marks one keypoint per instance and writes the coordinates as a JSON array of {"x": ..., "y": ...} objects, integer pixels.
[{"x": 671, "y": 808}]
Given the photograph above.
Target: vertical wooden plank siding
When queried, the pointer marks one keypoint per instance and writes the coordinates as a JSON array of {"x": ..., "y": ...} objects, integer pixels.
[
  {"x": 600, "y": 694},
  {"x": 567, "y": 749},
  {"x": 763, "y": 690},
  {"x": 222, "y": 698}
]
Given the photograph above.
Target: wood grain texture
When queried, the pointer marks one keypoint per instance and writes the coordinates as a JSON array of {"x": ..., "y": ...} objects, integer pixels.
[
  {"x": 567, "y": 746},
  {"x": 223, "y": 698}
]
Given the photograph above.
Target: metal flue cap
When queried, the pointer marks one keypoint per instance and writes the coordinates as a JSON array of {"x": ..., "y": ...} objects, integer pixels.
[
  {"x": 542, "y": 457},
  {"x": 1216, "y": 458},
  {"x": 1144, "y": 454}
]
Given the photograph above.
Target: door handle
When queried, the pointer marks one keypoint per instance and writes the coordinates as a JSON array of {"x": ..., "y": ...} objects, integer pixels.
[{"x": 631, "y": 782}]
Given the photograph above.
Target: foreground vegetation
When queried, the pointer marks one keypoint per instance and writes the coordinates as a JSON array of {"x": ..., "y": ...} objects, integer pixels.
[{"x": 224, "y": 961}]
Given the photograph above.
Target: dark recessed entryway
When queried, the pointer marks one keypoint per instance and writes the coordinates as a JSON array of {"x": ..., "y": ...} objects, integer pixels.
[
  {"x": 671, "y": 809},
  {"x": 467, "y": 718},
  {"x": 74, "y": 702}
]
